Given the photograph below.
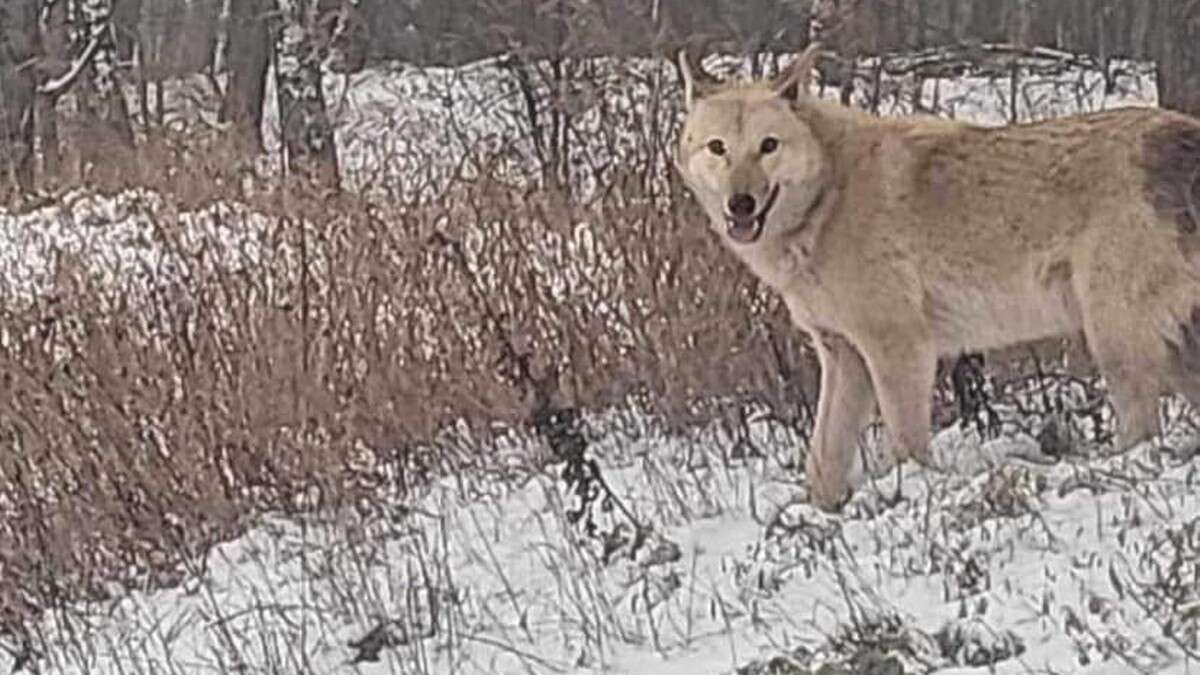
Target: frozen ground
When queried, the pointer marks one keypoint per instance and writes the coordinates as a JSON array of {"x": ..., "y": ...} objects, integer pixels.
[
  {"x": 1007, "y": 559},
  {"x": 121, "y": 240}
]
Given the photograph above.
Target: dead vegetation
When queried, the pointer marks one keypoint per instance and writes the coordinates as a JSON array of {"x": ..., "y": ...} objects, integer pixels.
[{"x": 291, "y": 350}]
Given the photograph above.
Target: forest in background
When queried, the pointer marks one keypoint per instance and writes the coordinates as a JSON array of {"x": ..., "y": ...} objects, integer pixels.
[{"x": 89, "y": 48}]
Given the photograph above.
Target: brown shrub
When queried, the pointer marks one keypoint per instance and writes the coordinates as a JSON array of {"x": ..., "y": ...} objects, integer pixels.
[{"x": 325, "y": 350}]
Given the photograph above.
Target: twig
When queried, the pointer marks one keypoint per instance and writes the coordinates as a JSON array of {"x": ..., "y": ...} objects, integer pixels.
[
  {"x": 56, "y": 86},
  {"x": 519, "y": 653}
]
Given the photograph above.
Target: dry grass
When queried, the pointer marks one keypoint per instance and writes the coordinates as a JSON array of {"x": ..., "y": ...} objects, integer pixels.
[{"x": 328, "y": 349}]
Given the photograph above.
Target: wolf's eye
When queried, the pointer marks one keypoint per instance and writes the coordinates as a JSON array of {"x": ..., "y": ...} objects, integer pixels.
[
  {"x": 770, "y": 144},
  {"x": 716, "y": 146}
]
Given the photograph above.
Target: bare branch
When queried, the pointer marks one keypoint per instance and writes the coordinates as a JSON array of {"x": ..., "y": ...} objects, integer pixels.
[{"x": 58, "y": 85}]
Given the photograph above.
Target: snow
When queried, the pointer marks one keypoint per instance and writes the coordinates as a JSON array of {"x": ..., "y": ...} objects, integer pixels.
[
  {"x": 997, "y": 558},
  {"x": 118, "y": 240},
  {"x": 515, "y": 588}
]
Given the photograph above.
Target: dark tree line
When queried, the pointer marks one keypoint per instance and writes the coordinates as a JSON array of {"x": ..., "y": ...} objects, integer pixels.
[
  {"x": 49, "y": 48},
  {"x": 18, "y": 80},
  {"x": 89, "y": 49},
  {"x": 453, "y": 31},
  {"x": 1164, "y": 31}
]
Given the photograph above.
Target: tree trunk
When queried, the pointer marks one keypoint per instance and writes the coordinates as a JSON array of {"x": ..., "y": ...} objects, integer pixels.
[
  {"x": 55, "y": 37},
  {"x": 108, "y": 133},
  {"x": 248, "y": 59},
  {"x": 350, "y": 38},
  {"x": 18, "y": 45},
  {"x": 1179, "y": 56},
  {"x": 301, "y": 44},
  {"x": 1021, "y": 29},
  {"x": 1142, "y": 29},
  {"x": 197, "y": 41},
  {"x": 126, "y": 14}
]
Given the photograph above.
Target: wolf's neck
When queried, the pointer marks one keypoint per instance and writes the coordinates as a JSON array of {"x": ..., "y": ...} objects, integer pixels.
[
  {"x": 849, "y": 136},
  {"x": 833, "y": 123}
]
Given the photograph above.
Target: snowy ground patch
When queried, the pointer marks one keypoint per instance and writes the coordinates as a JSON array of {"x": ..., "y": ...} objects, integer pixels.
[
  {"x": 125, "y": 240},
  {"x": 1080, "y": 565}
]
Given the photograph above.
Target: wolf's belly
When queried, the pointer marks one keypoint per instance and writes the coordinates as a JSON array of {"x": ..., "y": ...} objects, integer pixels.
[{"x": 971, "y": 319}]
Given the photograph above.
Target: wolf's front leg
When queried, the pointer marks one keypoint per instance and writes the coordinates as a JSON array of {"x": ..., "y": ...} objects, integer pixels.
[
  {"x": 845, "y": 404},
  {"x": 903, "y": 374}
]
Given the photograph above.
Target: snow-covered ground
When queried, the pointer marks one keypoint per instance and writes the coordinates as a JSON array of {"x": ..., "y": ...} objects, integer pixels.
[
  {"x": 121, "y": 240},
  {"x": 1005, "y": 559}
]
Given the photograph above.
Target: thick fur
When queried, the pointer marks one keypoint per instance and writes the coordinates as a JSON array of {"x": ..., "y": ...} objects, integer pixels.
[{"x": 896, "y": 241}]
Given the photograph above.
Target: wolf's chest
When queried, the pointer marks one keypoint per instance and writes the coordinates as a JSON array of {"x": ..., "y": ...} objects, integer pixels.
[
  {"x": 785, "y": 267},
  {"x": 797, "y": 280}
]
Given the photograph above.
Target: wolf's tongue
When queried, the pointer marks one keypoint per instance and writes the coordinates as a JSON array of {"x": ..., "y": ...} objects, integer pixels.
[{"x": 744, "y": 230}]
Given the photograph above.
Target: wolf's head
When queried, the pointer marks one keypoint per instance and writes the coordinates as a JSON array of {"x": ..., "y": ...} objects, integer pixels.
[{"x": 752, "y": 162}]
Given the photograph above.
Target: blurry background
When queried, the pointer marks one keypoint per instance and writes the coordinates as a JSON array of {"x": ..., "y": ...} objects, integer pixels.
[{"x": 142, "y": 44}]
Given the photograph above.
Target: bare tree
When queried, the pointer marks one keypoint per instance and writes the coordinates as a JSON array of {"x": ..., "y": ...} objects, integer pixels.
[
  {"x": 350, "y": 38},
  {"x": 18, "y": 49},
  {"x": 1177, "y": 51},
  {"x": 55, "y": 37},
  {"x": 102, "y": 105},
  {"x": 248, "y": 58},
  {"x": 174, "y": 38},
  {"x": 302, "y": 35},
  {"x": 158, "y": 25}
]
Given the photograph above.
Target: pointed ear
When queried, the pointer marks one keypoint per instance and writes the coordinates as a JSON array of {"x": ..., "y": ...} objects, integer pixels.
[
  {"x": 794, "y": 80},
  {"x": 697, "y": 83}
]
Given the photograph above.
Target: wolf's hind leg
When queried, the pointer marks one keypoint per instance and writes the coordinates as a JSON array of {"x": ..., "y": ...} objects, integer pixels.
[
  {"x": 845, "y": 404},
  {"x": 1135, "y": 398},
  {"x": 1184, "y": 350},
  {"x": 1134, "y": 360},
  {"x": 1135, "y": 288}
]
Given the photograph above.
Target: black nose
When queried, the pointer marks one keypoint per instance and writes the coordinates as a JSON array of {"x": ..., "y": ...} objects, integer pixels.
[{"x": 741, "y": 205}]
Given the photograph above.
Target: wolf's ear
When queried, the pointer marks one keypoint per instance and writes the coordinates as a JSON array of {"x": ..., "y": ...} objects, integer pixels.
[
  {"x": 697, "y": 83},
  {"x": 794, "y": 80}
]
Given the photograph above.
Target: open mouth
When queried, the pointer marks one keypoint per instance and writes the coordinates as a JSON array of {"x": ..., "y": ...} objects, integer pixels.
[{"x": 747, "y": 230}]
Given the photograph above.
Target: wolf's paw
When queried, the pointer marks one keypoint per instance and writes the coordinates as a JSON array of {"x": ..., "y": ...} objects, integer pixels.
[
  {"x": 830, "y": 499},
  {"x": 927, "y": 459}
]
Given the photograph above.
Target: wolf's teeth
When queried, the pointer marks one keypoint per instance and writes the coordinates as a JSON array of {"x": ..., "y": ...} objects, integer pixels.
[{"x": 745, "y": 232}]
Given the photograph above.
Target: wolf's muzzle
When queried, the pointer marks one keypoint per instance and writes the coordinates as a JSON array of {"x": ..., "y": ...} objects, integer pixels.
[{"x": 742, "y": 224}]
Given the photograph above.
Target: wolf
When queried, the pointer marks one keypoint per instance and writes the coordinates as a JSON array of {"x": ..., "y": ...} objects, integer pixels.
[{"x": 894, "y": 242}]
